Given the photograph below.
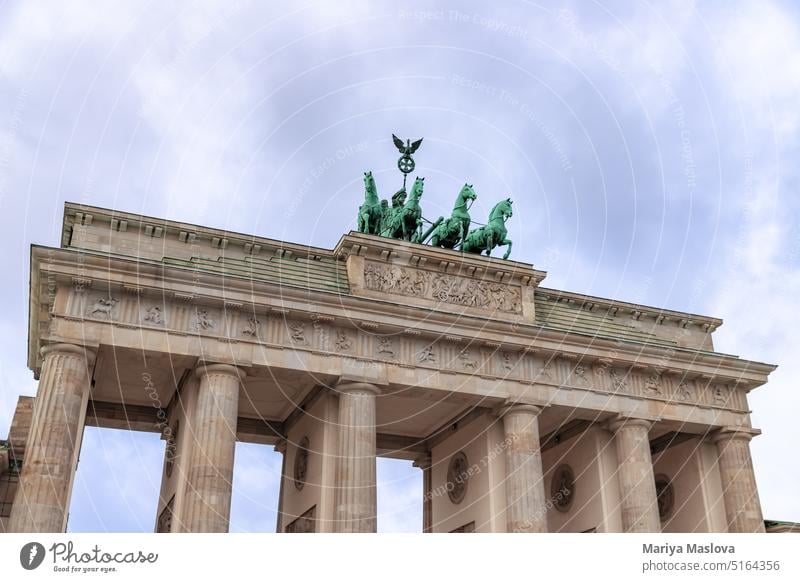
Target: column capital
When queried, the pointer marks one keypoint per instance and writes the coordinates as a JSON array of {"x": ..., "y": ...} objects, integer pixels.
[
  {"x": 734, "y": 432},
  {"x": 210, "y": 368},
  {"x": 510, "y": 407},
  {"x": 363, "y": 387},
  {"x": 88, "y": 352},
  {"x": 280, "y": 446},
  {"x": 423, "y": 461},
  {"x": 618, "y": 422}
]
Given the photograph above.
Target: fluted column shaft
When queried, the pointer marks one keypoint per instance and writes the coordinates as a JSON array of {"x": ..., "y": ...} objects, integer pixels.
[
  {"x": 526, "y": 504},
  {"x": 425, "y": 464},
  {"x": 739, "y": 490},
  {"x": 356, "y": 493},
  {"x": 280, "y": 447},
  {"x": 639, "y": 505},
  {"x": 51, "y": 455},
  {"x": 207, "y": 503}
]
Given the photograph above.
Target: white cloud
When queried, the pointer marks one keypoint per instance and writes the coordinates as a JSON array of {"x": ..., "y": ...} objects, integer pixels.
[
  {"x": 189, "y": 126},
  {"x": 758, "y": 54}
]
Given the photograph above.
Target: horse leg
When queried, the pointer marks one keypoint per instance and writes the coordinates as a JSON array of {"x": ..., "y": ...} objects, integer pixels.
[
  {"x": 417, "y": 238},
  {"x": 506, "y": 242}
]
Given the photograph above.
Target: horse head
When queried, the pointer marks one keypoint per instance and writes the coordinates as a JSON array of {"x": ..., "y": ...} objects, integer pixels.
[
  {"x": 370, "y": 190},
  {"x": 416, "y": 189},
  {"x": 466, "y": 194},
  {"x": 501, "y": 211}
]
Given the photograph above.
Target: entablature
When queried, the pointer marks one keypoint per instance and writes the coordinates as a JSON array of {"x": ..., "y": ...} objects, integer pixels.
[{"x": 103, "y": 293}]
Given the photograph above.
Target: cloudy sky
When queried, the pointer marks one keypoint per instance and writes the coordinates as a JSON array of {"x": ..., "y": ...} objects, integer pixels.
[{"x": 651, "y": 151}]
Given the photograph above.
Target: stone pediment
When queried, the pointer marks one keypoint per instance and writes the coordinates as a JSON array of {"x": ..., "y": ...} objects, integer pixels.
[{"x": 442, "y": 279}]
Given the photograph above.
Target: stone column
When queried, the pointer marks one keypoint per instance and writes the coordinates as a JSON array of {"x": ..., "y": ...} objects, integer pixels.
[
  {"x": 207, "y": 502},
  {"x": 51, "y": 455},
  {"x": 280, "y": 447},
  {"x": 526, "y": 509},
  {"x": 356, "y": 497},
  {"x": 739, "y": 491},
  {"x": 425, "y": 464},
  {"x": 637, "y": 485}
]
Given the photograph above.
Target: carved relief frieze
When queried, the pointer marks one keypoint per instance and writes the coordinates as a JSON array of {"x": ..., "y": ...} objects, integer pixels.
[
  {"x": 453, "y": 353},
  {"x": 385, "y": 347},
  {"x": 103, "y": 307},
  {"x": 252, "y": 327},
  {"x": 466, "y": 361},
  {"x": 620, "y": 380},
  {"x": 443, "y": 288},
  {"x": 427, "y": 354},
  {"x": 685, "y": 391},
  {"x": 720, "y": 393},
  {"x": 653, "y": 384},
  {"x": 546, "y": 371},
  {"x": 154, "y": 315},
  {"x": 296, "y": 331},
  {"x": 204, "y": 320},
  {"x": 507, "y": 362},
  {"x": 579, "y": 375},
  {"x": 344, "y": 341}
]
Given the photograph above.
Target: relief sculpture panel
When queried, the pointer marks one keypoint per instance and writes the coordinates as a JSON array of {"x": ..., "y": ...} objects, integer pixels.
[
  {"x": 412, "y": 348},
  {"x": 443, "y": 288}
]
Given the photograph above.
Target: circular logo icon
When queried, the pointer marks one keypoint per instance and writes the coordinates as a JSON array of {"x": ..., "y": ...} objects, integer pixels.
[{"x": 31, "y": 555}]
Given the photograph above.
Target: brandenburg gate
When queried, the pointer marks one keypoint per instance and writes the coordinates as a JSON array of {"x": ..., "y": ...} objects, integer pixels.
[{"x": 527, "y": 409}]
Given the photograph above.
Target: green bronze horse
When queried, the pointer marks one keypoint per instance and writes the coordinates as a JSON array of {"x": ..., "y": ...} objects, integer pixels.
[
  {"x": 486, "y": 238},
  {"x": 406, "y": 220},
  {"x": 451, "y": 232},
  {"x": 370, "y": 213}
]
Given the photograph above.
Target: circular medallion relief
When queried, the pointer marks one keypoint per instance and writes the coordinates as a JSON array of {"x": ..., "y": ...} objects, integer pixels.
[
  {"x": 457, "y": 477},
  {"x": 665, "y": 494},
  {"x": 301, "y": 463},
  {"x": 562, "y": 487}
]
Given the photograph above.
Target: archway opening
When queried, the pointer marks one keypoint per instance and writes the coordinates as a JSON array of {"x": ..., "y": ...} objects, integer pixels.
[
  {"x": 399, "y": 496},
  {"x": 256, "y": 486},
  {"x": 117, "y": 482}
]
